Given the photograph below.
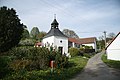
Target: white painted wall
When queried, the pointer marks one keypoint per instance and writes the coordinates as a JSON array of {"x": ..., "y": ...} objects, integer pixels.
[
  {"x": 113, "y": 54},
  {"x": 55, "y": 40},
  {"x": 91, "y": 44},
  {"x": 73, "y": 44},
  {"x": 50, "y": 40},
  {"x": 64, "y": 43},
  {"x": 113, "y": 50},
  {"x": 94, "y": 45}
]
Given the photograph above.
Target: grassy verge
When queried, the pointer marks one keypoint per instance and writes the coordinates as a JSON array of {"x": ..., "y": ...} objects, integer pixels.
[
  {"x": 75, "y": 65},
  {"x": 111, "y": 63}
]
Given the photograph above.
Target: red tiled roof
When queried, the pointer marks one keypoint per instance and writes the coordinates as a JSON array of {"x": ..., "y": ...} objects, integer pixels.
[
  {"x": 112, "y": 41},
  {"x": 87, "y": 40},
  {"x": 82, "y": 40},
  {"x": 73, "y": 40},
  {"x": 38, "y": 44}
]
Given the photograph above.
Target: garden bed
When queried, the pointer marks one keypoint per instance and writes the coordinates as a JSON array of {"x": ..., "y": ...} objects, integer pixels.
[
  {"x": 76, "y": 64},
  {"x": 27, "y": 63}
]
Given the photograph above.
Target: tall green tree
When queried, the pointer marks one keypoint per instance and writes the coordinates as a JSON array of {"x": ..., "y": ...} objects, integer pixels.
[
  {"x": 25, "y": 34},
  {"x": 101, "y": 43},
  {"x": 34, "y": 33},
  {"x": 41, "y": 35},
  {"x": 10, "y": 28}
]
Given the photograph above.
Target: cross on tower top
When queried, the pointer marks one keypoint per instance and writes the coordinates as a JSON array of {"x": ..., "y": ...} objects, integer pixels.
[{"x": 54, "y": 16}]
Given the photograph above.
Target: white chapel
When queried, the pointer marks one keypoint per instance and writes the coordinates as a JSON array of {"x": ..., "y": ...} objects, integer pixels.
[{"x": 56, "y": 38}]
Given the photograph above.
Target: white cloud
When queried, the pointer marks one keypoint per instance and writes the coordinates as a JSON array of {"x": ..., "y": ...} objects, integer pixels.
[{"x": 78, "y": 15}]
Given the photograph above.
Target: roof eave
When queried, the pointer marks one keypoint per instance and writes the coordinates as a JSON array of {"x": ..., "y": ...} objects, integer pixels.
[{"x": 112, "y": 41}]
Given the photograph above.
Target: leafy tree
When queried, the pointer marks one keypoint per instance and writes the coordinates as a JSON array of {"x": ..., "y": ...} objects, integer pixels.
[
  {"x": 25, "y": 34},
  {"x": 111, "y": 35},
  {"x": 41, "y": 35},
  {"x": 10, "y": 28},
  {"x": 101, "y": 43},
  {"x": 34, "y": 32}
]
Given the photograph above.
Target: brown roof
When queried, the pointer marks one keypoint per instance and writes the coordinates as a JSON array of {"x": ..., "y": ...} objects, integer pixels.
[
  {"x": 112, "y": 41},
  {"x": 82, "y": 40},
  {"x": 87, "y": 40},
  {"x": 73, "y": 40}
]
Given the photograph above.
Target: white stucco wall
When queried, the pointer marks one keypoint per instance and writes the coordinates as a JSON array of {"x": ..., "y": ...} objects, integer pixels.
[
  {"x": 64, "y": 43},
  {"x": 113, "y": 54},
  {"x": 73, "y": 44},
  {"x": 50, "y": 40},
  {"x": 91, "y": 44},
  {"x": 113, "y": 51},
  {"x": 55, "y": 40}
]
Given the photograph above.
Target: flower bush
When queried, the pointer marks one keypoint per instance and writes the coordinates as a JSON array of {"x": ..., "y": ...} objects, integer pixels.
[{"x": 74, "y": 51}]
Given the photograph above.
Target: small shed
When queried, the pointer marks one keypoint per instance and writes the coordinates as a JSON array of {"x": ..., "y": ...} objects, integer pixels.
[{"x": 113, "y": 48}]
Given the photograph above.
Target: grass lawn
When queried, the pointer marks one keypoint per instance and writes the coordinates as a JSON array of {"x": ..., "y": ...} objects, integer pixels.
[
  {"x": 111, "y": 63},
  {"x": 78, "y": 65}
]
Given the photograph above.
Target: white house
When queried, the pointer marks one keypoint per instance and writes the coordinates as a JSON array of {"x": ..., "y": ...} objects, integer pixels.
[
  {"x": 56, "y": 38},
  {"x": 91, "y": 41},
  {"x": 73, "y": 42},
  {"x": 113, "y": 49}
]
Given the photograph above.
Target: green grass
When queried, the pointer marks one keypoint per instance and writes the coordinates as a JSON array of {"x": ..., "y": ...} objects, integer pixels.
[
  {"x": 75, "y": 65},
  {"x": 111, "y": 63}
]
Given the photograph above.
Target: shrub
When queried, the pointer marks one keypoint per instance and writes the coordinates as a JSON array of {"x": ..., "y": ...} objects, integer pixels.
[
  {"x": 73, "y": 51},
  {"x": 29, "y": 58},
  {"x": 61, "y": 61},
  {"x": 76, "y": 64},
  {"x": 4, "y": 68},
  {"x": 18, "y": 65},
  {"x": 24, "y": 60},
  {"x": 27, "y": 42},
  {"x": 87, "y": 55},
  {"x": 35, "y": 58},
  {"x": 87, "y": 49}
]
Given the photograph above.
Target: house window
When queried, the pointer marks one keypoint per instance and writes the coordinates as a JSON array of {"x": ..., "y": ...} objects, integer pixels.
[{"x": 61, "y": 41}]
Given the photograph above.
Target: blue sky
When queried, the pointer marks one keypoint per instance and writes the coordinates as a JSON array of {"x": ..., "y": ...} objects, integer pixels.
[{"x": 88, "y": 18}]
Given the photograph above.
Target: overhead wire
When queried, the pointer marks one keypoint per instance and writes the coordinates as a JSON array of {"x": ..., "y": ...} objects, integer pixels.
[{"x": 58, "y": 7}]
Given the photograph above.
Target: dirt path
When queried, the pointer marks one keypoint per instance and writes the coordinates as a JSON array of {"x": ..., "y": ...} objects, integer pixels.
[{"x": 97, "y": 70}]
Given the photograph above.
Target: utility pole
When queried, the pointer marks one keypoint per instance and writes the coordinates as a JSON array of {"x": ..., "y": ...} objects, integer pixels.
[{"x": 105, "y": 38}]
